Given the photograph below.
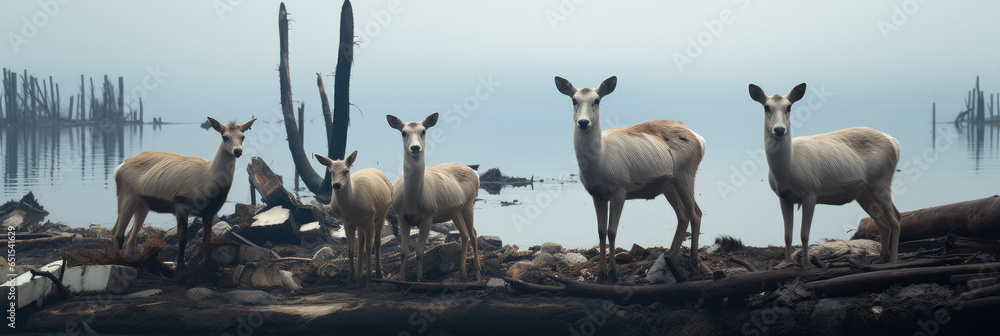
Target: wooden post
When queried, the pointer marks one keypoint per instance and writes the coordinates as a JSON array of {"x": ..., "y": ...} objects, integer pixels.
[
  {"x": 253, "y": 194},
  {"x": 53, "y": 108},
  {"x": 83, "y": 96},
  {"x": 70, "y": 117},
  {"x": 121, "y": 95},
  {"x": 93, "y": 102},
  {"x": 56, "y": 100},
  {"x": 140, "y": 110}
]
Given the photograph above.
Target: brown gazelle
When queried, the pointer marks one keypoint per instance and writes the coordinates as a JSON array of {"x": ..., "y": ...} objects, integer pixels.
[
  {"x": 641, "y": 161},
  {"x": 832, "y": 168},
  {"x": 177, "y": 184},
  {"x": 361, "y": 200},
  {"x": 423, "y": 196}
]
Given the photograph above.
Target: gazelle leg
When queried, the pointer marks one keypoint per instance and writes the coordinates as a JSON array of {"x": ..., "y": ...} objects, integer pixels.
[
  {"x": 601, "y": 207},
  {"x": 788, "y": 215},
  {"x": 808, "y": 206},
  {"x": 682, "y": 220},
  {"x": 617, "y": 204}
]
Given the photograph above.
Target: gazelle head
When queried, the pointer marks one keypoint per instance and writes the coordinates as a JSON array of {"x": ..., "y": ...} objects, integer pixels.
[
  {"x": 586, "y": 101},
  {"x": 414, "y": 133},
  {"x": 777, "y": 109},
  {"x": 340, "y": 170},
  {"x": 232, "y": 135}
]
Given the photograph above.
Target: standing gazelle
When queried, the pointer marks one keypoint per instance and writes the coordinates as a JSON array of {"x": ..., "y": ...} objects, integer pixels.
[
  {"x": 641, "y": 161},
  {"x": 832, "y": 168},
  {"x": 423, "y": 196},
  {"x": 361, "y": 200},
  {"x": 177, "y": 184}
]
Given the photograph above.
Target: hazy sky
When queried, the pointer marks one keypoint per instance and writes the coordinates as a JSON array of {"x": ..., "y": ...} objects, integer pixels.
[{"x": 686, "y": 60}]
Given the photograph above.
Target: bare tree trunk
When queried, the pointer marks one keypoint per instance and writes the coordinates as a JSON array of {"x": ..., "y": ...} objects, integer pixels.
[
  {"x": 975, "y": 218},
  {"x": 140, "y": 110},
  {"x": 83, "y": 96},
  {"x": 70, "y": 117},
  {"x": 302, "y": 136},
  {"x": 327, "y": 120},
  {"x": 311, "y": 179},
  {"x": 342, "y": 83},
  {"x": 121, "y": 95}
]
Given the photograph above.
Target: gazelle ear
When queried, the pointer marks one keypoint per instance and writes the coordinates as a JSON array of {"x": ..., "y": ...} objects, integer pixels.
[
  {"x": 431, "y": 120},
  {"x": 565, "y": 87},
  {"x": 394, "y": 122},
  {"x": 246, "y": 126},
  {"x": 757, "y": 94},
  {"x": 797, "y": 93},
  {"x": 350, "y": 159},
  {"x": 323, "y": 160},
  {"x": 608, "y": 86},
  {"x": 216, "y": 125}
]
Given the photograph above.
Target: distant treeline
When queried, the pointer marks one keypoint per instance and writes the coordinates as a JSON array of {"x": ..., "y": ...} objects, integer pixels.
[{"x": 28, "y": 102}]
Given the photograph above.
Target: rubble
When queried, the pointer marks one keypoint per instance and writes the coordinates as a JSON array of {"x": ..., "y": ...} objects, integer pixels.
[{"x": 97, "y": 278}]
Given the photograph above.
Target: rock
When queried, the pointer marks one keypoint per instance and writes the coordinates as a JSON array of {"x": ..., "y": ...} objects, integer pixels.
[
  {"x": 220, "y": 229},
  {"x": 543, "y": 258},
  {"x": 829, "y": 315},
  {"x": 262, "y": 274},
  {"x": 245, "y": 211},
  {"x": 144, "y": 294},
  {"x": 27, "y": 214},
  {"x": 623, "y": 258},
  {"x": 311, "y": 231},
  {"x": 199, "y": 293},
  {"x": 335, "y": 268},
  {"x": 438, "y": 261},
  {"x": 489, "y": 243},
  {"x": 660, "y": 272},
  {"x": 444, "y": 228},
  {"x": 288, "y": 280},
  {"x": 250, "y": 297},
  {"x": 551, "y": 247},
  {"x": 857, "y": 247},
  {"x": 275, "y": 225},
  {"x": 455, "y": 235},
  {"x": 14, "y": 219},
  {"x": 97, "y": 278},
  {"x": 571, "y": 258},
  {"x": 33, "y": 289},
  {"x": 638, "y": 252},
  {"x": 324, "y": 254},
  {"x": 229, "y": 254},
  {"x": 339, "y": 234},
  {"x": 390, "y": 241},
  {"x": 496, "y": 283}
]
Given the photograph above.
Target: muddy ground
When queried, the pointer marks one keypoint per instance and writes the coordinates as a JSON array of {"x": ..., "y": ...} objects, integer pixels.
[{"x": 211, "y": 302}]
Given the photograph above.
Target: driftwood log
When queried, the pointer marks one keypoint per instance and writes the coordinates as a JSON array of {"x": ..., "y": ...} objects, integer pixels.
[
  {"x": 877, "y": 280},
  {"x": 976, "y": 218}
]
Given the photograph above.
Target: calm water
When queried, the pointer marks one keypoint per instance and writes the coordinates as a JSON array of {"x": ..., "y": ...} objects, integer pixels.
[{"x": 70, "y": 171}]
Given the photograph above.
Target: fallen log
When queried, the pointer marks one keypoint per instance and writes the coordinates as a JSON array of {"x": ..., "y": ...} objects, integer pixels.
[
  {"x": 32, "y": 243},
  {"x": 915, "y": 264},
  {"x": 877, "y": 280},
  {"x": 434, "y": 286},
  {"x": 975, "y": 218},
  {"x": 993, "y": 290},
  {"x": 525, "y": 287}
]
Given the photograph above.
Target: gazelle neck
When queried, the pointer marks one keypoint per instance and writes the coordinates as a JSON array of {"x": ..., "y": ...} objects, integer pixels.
[
  {"x": 589, "y": 146},
  {"x": 413, "y": 173},
  {"x": 222, "y": 167},
  {"x": 779, "y": 154}
]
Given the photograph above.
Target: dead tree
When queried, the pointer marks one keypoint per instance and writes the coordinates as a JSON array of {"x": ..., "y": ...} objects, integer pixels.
[{"x": 337, "y": 145}]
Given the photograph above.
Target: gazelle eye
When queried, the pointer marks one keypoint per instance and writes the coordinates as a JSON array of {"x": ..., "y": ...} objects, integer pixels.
[
  {"x": 225, "y": 138},
  {"x": 423, "y": 132},
  {"x": 767, "y": 109},
  {"x": 404, "y": 134},
  {"x": 597, "y": 101},
  {"x": 574, "y": 102}
]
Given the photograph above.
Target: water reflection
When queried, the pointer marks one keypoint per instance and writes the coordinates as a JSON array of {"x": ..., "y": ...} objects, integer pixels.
[{"x": 47, "y": 156}]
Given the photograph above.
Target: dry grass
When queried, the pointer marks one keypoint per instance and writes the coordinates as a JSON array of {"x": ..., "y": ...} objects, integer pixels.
[{"x": 106, "y": 254}]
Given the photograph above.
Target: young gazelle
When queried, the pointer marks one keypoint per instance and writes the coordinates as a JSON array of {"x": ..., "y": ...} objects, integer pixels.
[
  {"x": 637, "y": 162},
  {"x": 832, "y": 168},
  {"x": 423, "y": 196},
  {"x": 361, "y": 200},
  {"x": 177, "y": 184}
]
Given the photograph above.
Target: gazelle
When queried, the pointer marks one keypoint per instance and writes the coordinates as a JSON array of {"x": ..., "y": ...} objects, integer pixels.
[
  {"x": 423, "y": 196},
  {"x": 177, "y": 184},
  {"x": 832, "y": 168},
  {"x": 360, "y": 199},
  {"x": 642, "y": 161}
]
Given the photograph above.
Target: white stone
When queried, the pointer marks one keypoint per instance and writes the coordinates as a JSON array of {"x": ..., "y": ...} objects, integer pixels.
[
  {"x": 659, "y": 273},
  {"x": 571, "y": 258},
  {"x": 33, "y": 289},
  {"x": 496, "y": 282},
  {"x": 289, "y": 281},
  {"x": 199, "y": 293},
  {"x": 97, "y": 278},
  {"x": 551, "y": 247}
]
